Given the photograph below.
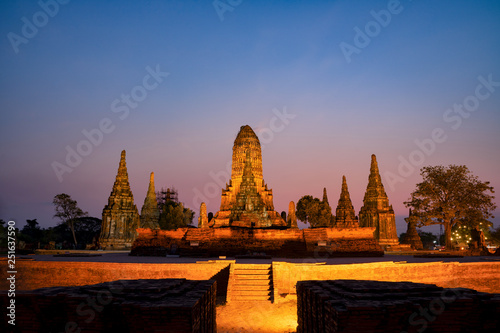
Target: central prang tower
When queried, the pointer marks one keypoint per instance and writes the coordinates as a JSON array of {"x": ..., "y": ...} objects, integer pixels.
[{"x": 246, "y": 201}]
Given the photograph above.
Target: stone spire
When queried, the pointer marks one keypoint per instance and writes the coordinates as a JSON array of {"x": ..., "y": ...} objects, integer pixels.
[
  {"x": 120, "y": 216},
  {"x": 412, "y": 237},
  {"x": 325, "y": 196},
  {"x": 345, "y": 216},
  {"x": 246, "y": 201},
  {"x": 376, "y": 211},
  {"x": 203, "y": 218},
  {"x": 150, "y": 214},
  {"x": 375, "y": 188},
  {"x": 292, "y": 218}
]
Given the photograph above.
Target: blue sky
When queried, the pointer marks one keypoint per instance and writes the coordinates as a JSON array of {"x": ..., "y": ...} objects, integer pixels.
[{"x": 265, "y": 58}]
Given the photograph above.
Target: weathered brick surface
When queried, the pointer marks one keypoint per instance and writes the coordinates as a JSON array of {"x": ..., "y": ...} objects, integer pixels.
[
  {"x": 481, "y": 276},
  {"x": 167, "y": 305},
  {"x": 373, "y": 306}
]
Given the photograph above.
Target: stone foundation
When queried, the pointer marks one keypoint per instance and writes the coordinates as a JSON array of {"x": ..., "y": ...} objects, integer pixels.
[
  {"x": 168, "y": 305},
  {"x": 373, "y": 306},
  {"x": 284, "y": 243}
]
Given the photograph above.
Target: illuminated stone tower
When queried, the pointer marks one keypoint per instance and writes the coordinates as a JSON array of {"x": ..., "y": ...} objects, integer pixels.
[
  {"x": 246, "y": 201},
  {"x": 344, "y": 215},
  {"x": 120, "y": 216},
  {"x": 376, "y": 211}
]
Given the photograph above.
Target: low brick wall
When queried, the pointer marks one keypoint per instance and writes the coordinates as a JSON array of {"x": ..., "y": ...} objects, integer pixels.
[
  {"x": 40, "y": 274},
  {"x": 284, "y": 243},
  {"x": 481, "y": 276}
]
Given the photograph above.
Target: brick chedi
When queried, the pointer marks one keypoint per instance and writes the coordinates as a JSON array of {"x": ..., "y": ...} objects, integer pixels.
[
  {"x": 344, "y": 215},
  {"x": 203, "y": 218},
  {"x": 292, "y": 218},
  {"x": 376, "y": 211},
  {"x": 120, "y": 217},
  {"x": 325, "y": 200},
  {"x": 412, "y": 237},
  {"x": 150, "y": 214},
  {"x": 246, "y": 201}
]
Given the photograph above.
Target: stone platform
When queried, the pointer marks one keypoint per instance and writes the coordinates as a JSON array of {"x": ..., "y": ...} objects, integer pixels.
[
  {"x": 374, "y": 306},
  {"x": 163, "y": 305},
  {"x": 284, "y": 243}
]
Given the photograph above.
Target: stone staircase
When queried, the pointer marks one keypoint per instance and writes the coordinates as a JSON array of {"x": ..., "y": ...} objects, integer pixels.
[{"x": 250, "y": 282}]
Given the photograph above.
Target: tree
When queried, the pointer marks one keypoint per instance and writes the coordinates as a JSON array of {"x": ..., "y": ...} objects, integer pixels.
[
  {"x": 451, "y": 196},
  {"x": 428, "y": 239},
  {"x": 87, "y": 228},
  {"x": 495, "y": 236},
  {"x": 68, "y": 211},
  {"x": 314, "y": 211},
  {"x": 3, "y": 233},
  {"x": 173, "y": 214},
  {"x": 31, "y": 232}
]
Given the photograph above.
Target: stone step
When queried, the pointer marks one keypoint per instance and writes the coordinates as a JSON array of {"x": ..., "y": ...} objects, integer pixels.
[
  {"x": 262, "y": 293},
  {"x": 252, "y": 271},
  {"x": 245, "y": 287},
  {"x": 252, "y": 266},
  {"x": 251, "y": 277},
  {"x": 252, "y": 282},
  {"x": 242, "y": 298}
]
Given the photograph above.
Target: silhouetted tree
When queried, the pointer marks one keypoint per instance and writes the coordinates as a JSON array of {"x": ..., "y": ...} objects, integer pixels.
[
  {"x": 86, "y": 228},
  {"x": 3, "y": 233},
  {"x": 31, "y": 232},
  {"x": 68, "y": 211},
  {"x": 495, "y": 236},
  {"x": 451, "y": 196},
  {"x": 427, "y": 238}
]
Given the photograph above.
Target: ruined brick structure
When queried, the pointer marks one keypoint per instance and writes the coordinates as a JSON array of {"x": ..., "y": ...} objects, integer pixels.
[
  {"x": 120, "y": 217},
  {"x": 376, "y": 306},
  {"x": 376, "y": 211},
  {"x": 292, "y": 218},
  {"x": 150, "y": 213},
  {"x": 412, "y": 237},
  {"x": 246, "y": 201},
  {"x": 149, "y": 305},
  {"x": 344, "y": 215},
  {"x": 203, "y": 218},
  {"x": 247, "y": 222},
  {"x": 282, "y": 243}
]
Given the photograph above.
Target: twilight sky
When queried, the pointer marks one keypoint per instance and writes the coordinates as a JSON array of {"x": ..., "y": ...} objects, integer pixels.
[{"x": 324, "y": 84}]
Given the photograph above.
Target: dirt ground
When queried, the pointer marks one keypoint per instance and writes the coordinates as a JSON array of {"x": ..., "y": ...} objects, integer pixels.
[{"x": 257, "y": 317}]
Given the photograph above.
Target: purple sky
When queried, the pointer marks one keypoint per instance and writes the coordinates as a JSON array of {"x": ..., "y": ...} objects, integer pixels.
[{"x": 324, "y": 84}]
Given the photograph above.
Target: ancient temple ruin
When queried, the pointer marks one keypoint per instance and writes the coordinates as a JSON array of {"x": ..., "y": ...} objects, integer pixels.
[
  {"x": 120, "y": 217},
  {"x": 344, "y": 215},
  {"x": 412, "y": 237},
  {"x": 150, "y": 214},
  {"x": 203, "y": 218},
  {"x": 246, "y": 201},
  {"x": 291, "y": 218},
  {"x": 247, "y": 222},
  {"x": 376, "y": 211}
]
